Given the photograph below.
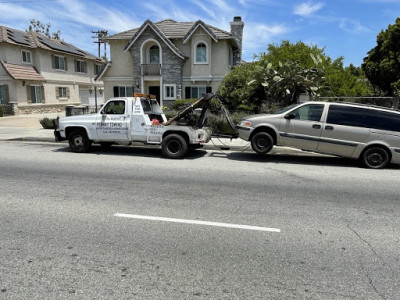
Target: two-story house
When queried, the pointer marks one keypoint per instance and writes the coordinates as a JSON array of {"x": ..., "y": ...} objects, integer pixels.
[
  {"x": 172, "y": 60},
  {"x": 39, "y": 74}
]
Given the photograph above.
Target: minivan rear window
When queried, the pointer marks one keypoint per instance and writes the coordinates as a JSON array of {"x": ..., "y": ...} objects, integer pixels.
[{"x": 363, "y": 117}]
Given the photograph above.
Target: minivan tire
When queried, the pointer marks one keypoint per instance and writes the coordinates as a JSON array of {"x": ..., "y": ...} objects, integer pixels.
[
  {"x": 375, "y": 158},
  {"x": 262, "y": 142}
]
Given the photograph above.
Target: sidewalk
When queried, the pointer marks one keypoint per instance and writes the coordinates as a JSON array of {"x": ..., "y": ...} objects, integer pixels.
[{"x": 28, "y": 128}]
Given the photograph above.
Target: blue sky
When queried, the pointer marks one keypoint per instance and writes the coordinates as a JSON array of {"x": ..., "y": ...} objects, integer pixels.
[{"x": 344, "y": 27}]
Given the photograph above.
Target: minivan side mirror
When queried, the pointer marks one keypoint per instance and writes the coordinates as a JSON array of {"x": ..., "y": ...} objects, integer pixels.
[{"x": 290, "y": 116}]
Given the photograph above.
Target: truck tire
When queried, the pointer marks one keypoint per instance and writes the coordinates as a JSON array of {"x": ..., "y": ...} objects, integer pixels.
[
  {"x": 79, "y": 141},
  {"x": 174, "y": 146},
  {"x": 262, "y": 143}
]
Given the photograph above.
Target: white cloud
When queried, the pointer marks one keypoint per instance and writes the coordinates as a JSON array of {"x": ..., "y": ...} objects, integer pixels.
[
  {"x": 351, "y": 26},
  {"x": 92, "y": 14},
  {"x": 257, "y": 36},
  {"x": 306, "y": 9}
]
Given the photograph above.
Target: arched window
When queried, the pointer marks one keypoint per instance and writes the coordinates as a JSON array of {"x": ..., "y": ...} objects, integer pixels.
[
  {"x": 201, "y": 53},
  {"x": 154, "y": 54}
]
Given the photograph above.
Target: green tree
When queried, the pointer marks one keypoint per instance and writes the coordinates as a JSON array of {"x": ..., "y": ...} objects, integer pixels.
[
  {"x": 382, "y": 64},
  {"x": 235, "y": 92},
  {"x": 349, "y": 81},
  {"x": 44, "y": 29},
  {"x": 284, "y": 83}
]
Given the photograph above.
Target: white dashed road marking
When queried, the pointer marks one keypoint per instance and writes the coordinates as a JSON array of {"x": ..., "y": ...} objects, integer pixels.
[{"x": 197, "y": 222}]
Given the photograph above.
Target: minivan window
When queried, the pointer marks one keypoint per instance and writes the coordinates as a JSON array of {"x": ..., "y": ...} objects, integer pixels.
[
  {"x": 363, "y": 117},
  {"x": 310, "y": 112}
]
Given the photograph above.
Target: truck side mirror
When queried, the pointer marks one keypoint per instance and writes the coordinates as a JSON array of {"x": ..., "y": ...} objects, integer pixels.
[{"x": 290, "y": 116}]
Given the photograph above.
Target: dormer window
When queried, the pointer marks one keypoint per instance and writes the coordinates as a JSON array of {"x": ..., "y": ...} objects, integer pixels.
[
  {"x": 201, "y": 56},
  {"x": 154, "y": 54},
  {"x": 26, "y": 57}
]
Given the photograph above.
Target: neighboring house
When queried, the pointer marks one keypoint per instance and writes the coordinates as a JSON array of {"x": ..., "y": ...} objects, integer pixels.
[
  {"x": 172, "y": 60},
  {"x": 39, "y": 74}
]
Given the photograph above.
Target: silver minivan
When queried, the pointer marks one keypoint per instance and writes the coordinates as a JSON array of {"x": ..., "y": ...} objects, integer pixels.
[{"x": 368, "y": 133}]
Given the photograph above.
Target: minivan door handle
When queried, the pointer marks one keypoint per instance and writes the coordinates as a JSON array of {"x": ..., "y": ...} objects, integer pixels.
[
  {"x": 316, "y": 126},
  {"x": 330, "y": 128}
]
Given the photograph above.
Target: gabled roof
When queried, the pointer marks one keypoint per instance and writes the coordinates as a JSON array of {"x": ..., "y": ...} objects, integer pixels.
[
  {"x": 196, "y": 25},
  {"x": 20, "y": 72},
  {"x": 172, "y": 29},
  {"x": 161, "y": 35},
  {"x": 33, "y": 40}
]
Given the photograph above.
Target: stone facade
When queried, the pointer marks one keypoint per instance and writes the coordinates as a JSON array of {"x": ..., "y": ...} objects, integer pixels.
[{"x": 193, "y": 58}]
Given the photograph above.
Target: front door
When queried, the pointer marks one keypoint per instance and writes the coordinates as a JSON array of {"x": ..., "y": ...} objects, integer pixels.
[
  {"x": 155, "y": 90},
  {"x": 302, "y": 129},
  {"x": 113, "y": 121}
]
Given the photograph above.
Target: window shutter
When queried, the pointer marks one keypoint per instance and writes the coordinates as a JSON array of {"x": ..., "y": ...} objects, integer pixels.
[
  {"x": 116, "y": 91},
  {"x": 28, "y": 94},
  {"x": 68, "y": 93},
  {"x": 187, "y": 92},
  {"x": 76, "y": 65},
  {"x": 42, "y": 92},
  {"x": 53, "y": 61},
  {"x": 6, "y": 93},
  {"x": 208, "y": 89},
  {"x": 84, "y": 67},
  {"x": 65, "y": 64},
  {"x": 57, "y": 92}
]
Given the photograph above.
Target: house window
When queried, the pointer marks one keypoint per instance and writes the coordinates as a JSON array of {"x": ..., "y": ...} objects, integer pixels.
[
  {"x": 123, "y": 91},
  {"x": 59, "y": 63},
  {"x": 201, "y": 56},
  {"x": 197, "y": 91},
  {"x": 169, "y": 91},
  {"x": 2, "y": 95},
  {"x": 154, "y": 54},
  {"x": 36, "y": 93},
  {"x": 80, "y": 66},
  {"x": 62, "y": 92},
  {"x": 26, "y": 57}
]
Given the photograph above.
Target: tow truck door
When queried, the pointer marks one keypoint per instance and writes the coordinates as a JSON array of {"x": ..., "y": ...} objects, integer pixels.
[{"x": 113, "y": 121}]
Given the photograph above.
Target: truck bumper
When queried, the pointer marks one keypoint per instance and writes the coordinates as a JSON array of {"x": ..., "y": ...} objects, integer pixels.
[{"x": 58, "y": 136}]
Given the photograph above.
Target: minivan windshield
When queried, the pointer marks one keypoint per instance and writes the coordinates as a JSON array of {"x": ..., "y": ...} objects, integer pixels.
[{"x": 286, "y": 109}]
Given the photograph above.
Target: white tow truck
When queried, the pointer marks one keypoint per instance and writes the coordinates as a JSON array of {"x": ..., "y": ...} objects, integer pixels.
[{"x": 135, "y": 119}]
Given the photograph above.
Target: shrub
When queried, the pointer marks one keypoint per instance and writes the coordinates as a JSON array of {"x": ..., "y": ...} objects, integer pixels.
[
  {"x": 181, "y": 103},
  {"x": 47, "y": 123}
]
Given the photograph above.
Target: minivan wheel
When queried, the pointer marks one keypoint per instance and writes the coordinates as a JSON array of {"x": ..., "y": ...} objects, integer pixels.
[
  {"x": 375, "y": 158},
  {"x": 262, "y": 142}
]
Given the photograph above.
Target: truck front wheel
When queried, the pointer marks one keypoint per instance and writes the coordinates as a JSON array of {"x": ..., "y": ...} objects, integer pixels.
[
  {"x": 78, "y": 141},
  {"x": 174, "y": 146}
]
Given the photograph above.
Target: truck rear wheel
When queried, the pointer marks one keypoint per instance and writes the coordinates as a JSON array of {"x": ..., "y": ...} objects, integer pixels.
[
  {"x": 78, "y": 141},
  {"x": 174, "y": 146}
]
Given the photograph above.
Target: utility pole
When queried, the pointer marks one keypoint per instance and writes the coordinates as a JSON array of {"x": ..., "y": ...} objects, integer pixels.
[{"x": 99, "y": 34}]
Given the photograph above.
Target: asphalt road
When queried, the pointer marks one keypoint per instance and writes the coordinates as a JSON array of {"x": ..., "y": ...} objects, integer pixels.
[{"x": 323, "y": 227}]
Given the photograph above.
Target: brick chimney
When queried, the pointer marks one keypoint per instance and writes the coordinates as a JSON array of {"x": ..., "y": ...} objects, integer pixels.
[{"x": 237, "y": 31}]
